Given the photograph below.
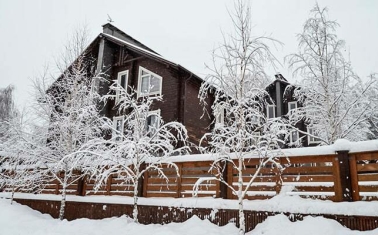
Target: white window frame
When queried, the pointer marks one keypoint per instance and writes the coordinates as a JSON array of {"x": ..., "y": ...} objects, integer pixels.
[
  {"x": 114, "y": 132},
  {"x": 119, "y": 79},
  {"x": 292, "y": 102},
  {"x": 140, "y": 94},
  {"x": 291, "y": 136},
  {"x": 95, "y": 86},
  {"x": 150, "y": 113},
  {"x": 219, "y": 115},
  {"x": 267, "y": 111},
  {"x": 310, "y": 137}
]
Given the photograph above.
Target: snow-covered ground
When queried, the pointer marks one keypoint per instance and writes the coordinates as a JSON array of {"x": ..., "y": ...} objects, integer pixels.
[{"x": 17, "y": 219}]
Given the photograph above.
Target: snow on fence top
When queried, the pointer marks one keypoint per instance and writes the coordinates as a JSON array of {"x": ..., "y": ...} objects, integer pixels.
[{"x": 339, "y": 145}]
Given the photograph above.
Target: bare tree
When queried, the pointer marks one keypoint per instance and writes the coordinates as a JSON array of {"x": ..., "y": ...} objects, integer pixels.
[
  {"x": 241, "y": 128},
  {"x": 69, "y": 108},
  {"x": 8, "y": 110},
  {"x": 140, "y": 141},
  {"x": 335, "y": 101},
  {"x": 18, "y": 170},
  {"x": 77, "y": 41}
]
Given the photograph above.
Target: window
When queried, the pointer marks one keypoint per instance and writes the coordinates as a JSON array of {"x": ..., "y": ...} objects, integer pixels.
[
  {"x": 149, "y": 83},
  {"x": 311, "y": 138},
  {"x": 292, "y": 105},
  {"x": 271, "y": 111},
  {"x": 255, "y": 138},
  {"x": 117, "y": 128},
  {"x": 219, "y": 115},
  {"x": 121, "y": 81},
  {"x": 152, "y": 122},
  {"x": 294, "y": 136},
  {"x": 255, "y": 120},
  {"x": 95, "y": 85}
]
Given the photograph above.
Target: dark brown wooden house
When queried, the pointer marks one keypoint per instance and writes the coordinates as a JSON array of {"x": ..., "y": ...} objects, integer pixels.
[
  {"x": 121, "y": 58},
  {"x": 283, "y": 102}
]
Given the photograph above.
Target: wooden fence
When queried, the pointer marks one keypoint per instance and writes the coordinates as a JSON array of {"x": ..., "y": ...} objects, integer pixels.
[{"x": 338, "y": 177}]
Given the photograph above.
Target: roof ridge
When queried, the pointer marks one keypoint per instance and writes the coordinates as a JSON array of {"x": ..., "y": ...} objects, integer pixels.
[{"x": 109, "y": 29}]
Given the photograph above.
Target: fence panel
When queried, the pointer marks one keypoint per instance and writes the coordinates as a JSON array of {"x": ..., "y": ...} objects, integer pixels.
[
  {"x": 309, "y": 176},
  {"x": 366, "y": 175}
]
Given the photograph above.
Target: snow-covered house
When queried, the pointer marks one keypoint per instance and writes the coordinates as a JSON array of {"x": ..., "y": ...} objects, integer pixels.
[
  {"x": 119, "y": 57},
  {"x": 283, "y": 103}
]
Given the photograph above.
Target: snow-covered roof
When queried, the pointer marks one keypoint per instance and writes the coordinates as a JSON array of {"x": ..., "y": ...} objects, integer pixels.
[{"x": 147, "y": 53}]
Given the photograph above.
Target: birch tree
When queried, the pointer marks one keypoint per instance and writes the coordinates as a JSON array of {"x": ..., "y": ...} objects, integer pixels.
[
  {"x": 241, "y": 128},
  {"x": 74, "y": 119},
  {"x": 8, "y": 110},
  {"x": 334, "y": 99},
  {"x": 140, "y": 142},
  {"x": 18, "y": 170}
]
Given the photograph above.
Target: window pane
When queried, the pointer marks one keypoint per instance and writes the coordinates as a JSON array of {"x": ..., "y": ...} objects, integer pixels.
[
  {"x": 145, "y": 84},
  {"x": 155, "y": 84},
  {"x": 255, "y": 120},
  {"x": 123, "y": 81},
  {"x": 294, "y": 136},
  {"x": 152, "y": 123},
  {"x": 119, "y": 125},
  {"x": 270, "y": 111}
]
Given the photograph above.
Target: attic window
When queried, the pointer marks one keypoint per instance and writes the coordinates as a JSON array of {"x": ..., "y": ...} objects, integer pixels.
[
  {"x": 121, "y": 82},
  {"x": 149, "y": 83}
]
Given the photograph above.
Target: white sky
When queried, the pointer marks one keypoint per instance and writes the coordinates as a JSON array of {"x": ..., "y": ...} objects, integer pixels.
[{"x": 33, "y": 32}]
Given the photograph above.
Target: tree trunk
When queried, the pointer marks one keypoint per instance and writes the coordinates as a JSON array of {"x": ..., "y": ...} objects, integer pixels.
[
  {"x": 240, "y": 199},
  {"x": 63, "y": 201},
  {"x": 135, "y": 210},
  {"x": 12, "y": 195},
  {"x": 241, "y": 217}
]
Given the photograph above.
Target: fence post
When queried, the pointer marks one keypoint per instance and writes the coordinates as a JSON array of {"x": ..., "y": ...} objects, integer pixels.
[
  {"x": 80, "y": 185},
  {"x": 344, "y": 176},
  {"x": 179, "y": 179},
  {"x": 354, "y": 178},
  {"x": 223, "y": 187},
  {"x": 145, "y": 183},
  {"x": 109, "y": 184},
  {"x": 229, "y": 180},
  {"x": 141, "y": 181},
  {"x": 278, "y": 173}
]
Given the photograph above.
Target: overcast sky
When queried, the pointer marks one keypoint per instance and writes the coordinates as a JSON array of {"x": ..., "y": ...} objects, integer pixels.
[{"x": 33, "y": 32}]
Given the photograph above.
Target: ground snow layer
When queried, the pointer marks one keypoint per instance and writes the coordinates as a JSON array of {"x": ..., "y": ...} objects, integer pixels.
[{"x": 17, "y": 219}]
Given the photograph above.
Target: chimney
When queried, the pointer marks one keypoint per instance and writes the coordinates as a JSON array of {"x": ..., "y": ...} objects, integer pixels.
[
  {"x": 279, "y": 76},
  {"x": 108, "y": 29}
]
